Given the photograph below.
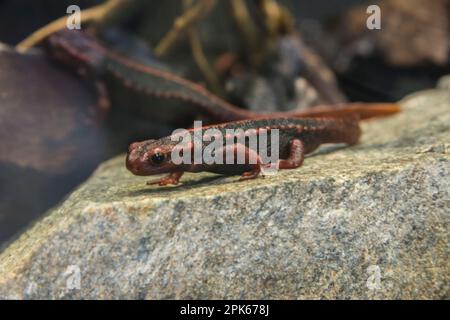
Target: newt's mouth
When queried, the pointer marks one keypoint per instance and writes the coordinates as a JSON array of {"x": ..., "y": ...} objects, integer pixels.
[
  {"x": 139, "y": 167},
  {"x": 133, "y": 163},
  {"x": 135, "y": 167},
  {"x": 142, "y": 160}
]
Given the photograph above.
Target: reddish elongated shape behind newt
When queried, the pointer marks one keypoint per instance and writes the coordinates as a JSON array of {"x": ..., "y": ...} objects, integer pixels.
[{"x": 90, "y": 57}]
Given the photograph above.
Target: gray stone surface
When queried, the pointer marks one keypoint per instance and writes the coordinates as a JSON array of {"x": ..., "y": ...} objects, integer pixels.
[
  {"x": 444, "y": 83},
  {"x": 371, "y": 221}
]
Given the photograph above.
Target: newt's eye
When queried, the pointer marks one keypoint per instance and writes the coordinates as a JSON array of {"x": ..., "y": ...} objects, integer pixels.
[{"x": 157, "y": 158}]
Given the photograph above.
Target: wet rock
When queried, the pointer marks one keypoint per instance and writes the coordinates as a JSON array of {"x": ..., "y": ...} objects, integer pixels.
[{"x": 369, "y": 221}]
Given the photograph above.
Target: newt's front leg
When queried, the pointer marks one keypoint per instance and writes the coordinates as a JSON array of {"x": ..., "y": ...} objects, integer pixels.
[{"x": 172, "y": 178}]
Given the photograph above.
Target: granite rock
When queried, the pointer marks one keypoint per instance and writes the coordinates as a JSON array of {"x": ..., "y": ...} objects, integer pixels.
[
  {"x": 444, "y": 83},
  {"x": 370, "y": 221}
]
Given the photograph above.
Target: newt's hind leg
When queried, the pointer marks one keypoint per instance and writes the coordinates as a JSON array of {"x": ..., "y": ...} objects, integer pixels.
[
  {"x": 296, "y": 156},
  {"x": 239, "y": 153},
  {"x": 252, "y": 158}
]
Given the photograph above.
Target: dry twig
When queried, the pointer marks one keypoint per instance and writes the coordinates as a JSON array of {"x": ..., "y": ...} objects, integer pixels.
[
  {"x": 182, "y": 23},
  {"x": 94, "y": 14},
  {"x": 200, "y": 57}
]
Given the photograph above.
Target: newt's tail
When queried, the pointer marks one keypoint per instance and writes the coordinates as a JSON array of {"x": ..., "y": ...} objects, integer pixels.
[{"x": 360, "y": 109}]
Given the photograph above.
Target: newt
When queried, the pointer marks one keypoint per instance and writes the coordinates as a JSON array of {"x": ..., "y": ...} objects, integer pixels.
[
  {"x": 301, "y": 131},
  {"x": 92, "y": 59},
  {"x": 296, "y": 138}
]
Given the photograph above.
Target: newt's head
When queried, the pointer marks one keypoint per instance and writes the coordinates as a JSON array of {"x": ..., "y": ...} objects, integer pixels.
[{"x": 150, "y": 157}]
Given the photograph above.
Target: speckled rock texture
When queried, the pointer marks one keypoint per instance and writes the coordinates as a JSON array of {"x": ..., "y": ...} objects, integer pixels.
[
  {"x": 444, "y": 83},
  {"x": 370, "y": 221}
]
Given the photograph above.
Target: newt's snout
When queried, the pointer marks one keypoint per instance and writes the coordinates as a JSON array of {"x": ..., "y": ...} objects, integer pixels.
[
  {"x": 144, "y": 159},
  {"x": 135, "y": 162}
]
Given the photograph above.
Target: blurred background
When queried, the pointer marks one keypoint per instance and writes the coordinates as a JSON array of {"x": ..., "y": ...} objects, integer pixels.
[{"x": 52, "y": 135}]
